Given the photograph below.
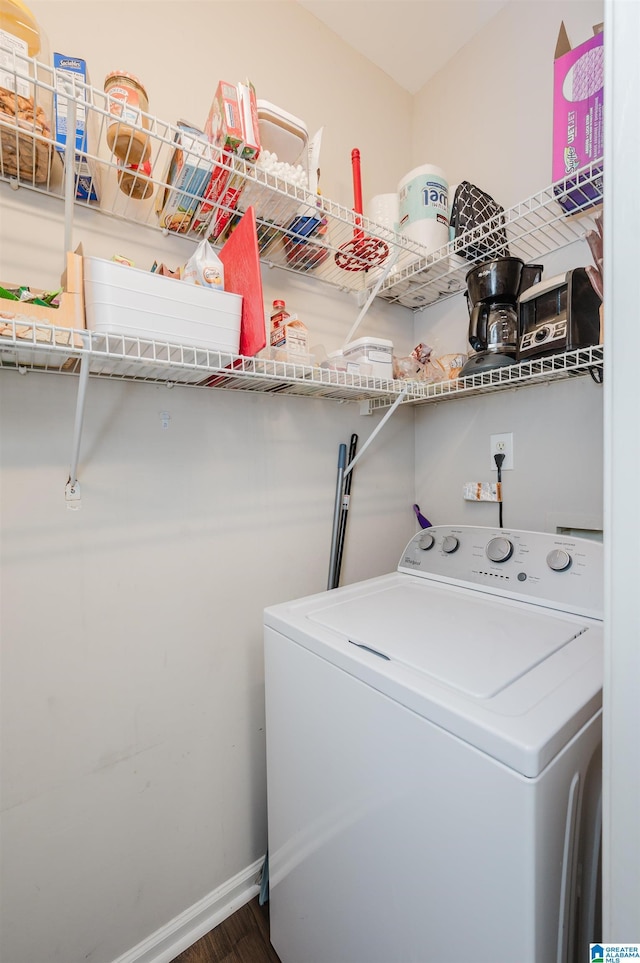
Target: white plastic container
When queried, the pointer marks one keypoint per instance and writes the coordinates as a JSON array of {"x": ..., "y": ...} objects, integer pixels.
[
  {"x": 281, "y": 133},
  {"x": 376, "y": 352},
  {"x": 140, "y": 304},
  {"x": 424, "y": 206}
]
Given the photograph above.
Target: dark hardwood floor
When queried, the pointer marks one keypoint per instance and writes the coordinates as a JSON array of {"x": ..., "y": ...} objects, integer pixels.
[{"x": 242, "y": 938}]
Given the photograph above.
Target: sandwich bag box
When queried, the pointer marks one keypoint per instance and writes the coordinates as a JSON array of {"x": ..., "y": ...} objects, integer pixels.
[
  {"x": 86, "y": 169},
  {"x": 578, "y": 108},
  {"x": 123, "y": 300}
]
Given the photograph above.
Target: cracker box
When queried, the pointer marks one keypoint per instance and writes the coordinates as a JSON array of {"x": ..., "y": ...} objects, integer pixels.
[
  {"x": 578, "y": 102},
  {"x": 86, "y": 169},
  {"x": 186, "y": 179}
]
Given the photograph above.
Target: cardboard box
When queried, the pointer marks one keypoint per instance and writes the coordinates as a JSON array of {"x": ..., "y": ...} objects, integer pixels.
[
  {"x": 187, "y": 178},
  {"x": 69, "y": 314},
  {"x": 86, "y": 169},
  {"x": 224, "y": 123},
  {"x": 578, "y": 107}
]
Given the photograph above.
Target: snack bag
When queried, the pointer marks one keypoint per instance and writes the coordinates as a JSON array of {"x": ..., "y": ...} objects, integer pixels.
[{"x": 204, "y": 267}]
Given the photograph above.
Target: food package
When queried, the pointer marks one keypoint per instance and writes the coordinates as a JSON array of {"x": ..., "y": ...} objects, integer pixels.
[
  {"x": 187, "y": 177},
  {"x": 205, "y": 268},
  {"x": 86, "y": 134},
  {"x": 224, "y": 123}
]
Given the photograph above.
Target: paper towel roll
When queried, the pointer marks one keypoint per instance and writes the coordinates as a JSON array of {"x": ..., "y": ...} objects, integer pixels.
[{"x": 424, "y": 206}]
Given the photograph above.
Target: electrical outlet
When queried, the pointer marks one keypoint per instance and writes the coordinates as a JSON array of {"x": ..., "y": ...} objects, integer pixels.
[{"x": 502, "y": 445}]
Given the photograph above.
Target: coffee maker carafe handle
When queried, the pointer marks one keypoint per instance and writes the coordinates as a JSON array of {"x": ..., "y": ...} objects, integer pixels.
[{"x": 478, "y": 326}]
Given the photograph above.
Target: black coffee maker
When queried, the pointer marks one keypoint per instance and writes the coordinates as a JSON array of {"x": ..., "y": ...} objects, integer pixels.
[{"x": 493, "y": 288}]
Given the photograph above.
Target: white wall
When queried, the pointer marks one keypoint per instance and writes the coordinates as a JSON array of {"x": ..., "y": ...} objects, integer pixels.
[
  {"x": 133, "y": 747},
  {"x": 502, "y": 82},
  {"x": 486, "y": 116},
  {"x": 132, "y": 703}
]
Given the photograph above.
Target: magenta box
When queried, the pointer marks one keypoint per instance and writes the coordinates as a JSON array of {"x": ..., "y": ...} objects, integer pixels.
[{"x": 578, "y": 101}]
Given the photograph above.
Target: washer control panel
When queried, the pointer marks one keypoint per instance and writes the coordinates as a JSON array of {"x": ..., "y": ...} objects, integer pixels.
[{"x": 560, "y": 571}]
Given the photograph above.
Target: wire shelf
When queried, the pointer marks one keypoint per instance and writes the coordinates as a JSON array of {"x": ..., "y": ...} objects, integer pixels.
[
  {"x": 297, "y": 231},
  {"x": 36, "y": 346}
]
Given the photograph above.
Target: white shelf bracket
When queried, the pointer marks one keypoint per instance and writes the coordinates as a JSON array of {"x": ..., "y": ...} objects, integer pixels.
[
  {"x": 376, "y": 431},
  {"x": 72, "y": 489}
]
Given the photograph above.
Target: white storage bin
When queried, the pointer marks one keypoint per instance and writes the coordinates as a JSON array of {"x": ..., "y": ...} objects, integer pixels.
[
  {"x": 282, "y": 133},
  {"x": 376, "y": 352},
  {"x": 140, "y": 304}
]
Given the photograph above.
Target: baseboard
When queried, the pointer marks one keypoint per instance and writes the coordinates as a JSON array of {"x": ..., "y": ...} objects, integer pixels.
[{"x": 173, "y": 938}]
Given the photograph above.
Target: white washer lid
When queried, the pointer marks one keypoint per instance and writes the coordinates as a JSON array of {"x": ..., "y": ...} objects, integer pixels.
[
  {"x": 447, "y": 649},
  {"x": 473, "y": 644}
]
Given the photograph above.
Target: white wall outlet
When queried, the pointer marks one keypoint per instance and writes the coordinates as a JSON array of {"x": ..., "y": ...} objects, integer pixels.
[{"x": 502, "y": 445}]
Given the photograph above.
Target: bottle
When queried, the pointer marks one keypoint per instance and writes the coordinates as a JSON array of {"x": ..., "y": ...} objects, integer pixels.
[
  {"x": 128, "y": 105},
  {"x": 20, "y": 36}
]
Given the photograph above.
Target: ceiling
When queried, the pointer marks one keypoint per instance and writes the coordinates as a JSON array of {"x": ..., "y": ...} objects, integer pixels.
[{"x": 410, "y": 40}]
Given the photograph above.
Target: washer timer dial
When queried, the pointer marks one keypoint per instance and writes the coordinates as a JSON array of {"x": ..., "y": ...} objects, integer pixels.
[{"x": 499, "y": 549}]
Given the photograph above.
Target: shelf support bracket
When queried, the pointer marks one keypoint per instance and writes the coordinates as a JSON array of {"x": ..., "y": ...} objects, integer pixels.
[
  {"x": 72, "y": 489},
  {"x": 376, "y": 431},
  {"x": 372, "y": 296}
]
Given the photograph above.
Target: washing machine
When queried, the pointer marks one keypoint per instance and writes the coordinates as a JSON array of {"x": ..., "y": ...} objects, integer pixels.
[{"x": 434, "y": 756}]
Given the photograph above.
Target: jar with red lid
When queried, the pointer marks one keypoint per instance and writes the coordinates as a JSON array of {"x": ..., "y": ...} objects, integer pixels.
[
  {"x": 135, "y": 180},
  {"x": 128, "y": 105}
]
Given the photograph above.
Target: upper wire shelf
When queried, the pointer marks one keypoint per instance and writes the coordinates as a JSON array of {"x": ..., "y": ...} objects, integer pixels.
[{"x": 297, "y": 231}]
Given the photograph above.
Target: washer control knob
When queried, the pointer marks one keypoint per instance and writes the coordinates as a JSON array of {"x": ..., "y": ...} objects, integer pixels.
[
  {"x": 499, "y": 549},
  {"x": 450, "y": 544},
  {"x": 426, "y": 541},
  {"x": 558, "y": 560}
]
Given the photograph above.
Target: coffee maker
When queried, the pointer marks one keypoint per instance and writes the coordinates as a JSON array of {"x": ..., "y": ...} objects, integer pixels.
[{"x": 493, "y": 288}]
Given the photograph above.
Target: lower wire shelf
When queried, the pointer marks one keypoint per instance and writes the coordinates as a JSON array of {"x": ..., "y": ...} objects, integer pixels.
[{"x": 31, "y": 346}]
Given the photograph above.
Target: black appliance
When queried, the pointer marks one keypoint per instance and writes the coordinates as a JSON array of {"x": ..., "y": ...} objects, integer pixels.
[
  {"x": 559, "y": 314},
  {"x": 492, "y": 296}
]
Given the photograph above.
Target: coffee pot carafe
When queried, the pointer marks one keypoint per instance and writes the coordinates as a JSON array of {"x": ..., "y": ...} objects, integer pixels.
[{"x": 492, "y": 295}]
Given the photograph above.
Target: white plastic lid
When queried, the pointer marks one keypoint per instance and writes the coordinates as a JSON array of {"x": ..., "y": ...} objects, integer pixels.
[{"x": 364, "y": 342}]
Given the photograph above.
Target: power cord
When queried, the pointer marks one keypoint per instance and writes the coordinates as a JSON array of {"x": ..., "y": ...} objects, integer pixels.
[{"x": 498, "y": 460}]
